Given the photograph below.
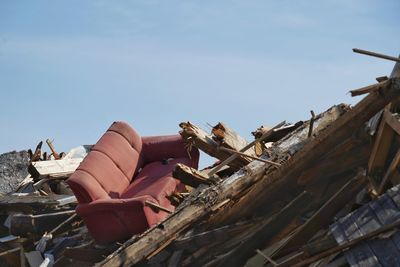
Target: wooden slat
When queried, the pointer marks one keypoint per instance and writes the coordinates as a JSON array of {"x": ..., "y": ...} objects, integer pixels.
[
  {"x": 190, "y": 176},
  {"x": 53, "y": 168},
  {"x": 324, "y": 215}
]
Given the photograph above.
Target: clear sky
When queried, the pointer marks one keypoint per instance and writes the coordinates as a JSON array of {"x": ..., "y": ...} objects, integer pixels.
[{"x": 70, "y": 68}]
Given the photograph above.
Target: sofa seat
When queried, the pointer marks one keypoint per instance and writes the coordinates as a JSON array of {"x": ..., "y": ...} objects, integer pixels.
[{"x": 120, "y": 174}]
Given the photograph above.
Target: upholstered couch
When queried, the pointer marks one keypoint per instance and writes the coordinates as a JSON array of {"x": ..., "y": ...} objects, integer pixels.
[{"x": 121, "y": 173}]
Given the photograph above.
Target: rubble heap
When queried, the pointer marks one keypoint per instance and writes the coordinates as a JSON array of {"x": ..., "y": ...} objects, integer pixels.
[{"x": 318, "y": 192}]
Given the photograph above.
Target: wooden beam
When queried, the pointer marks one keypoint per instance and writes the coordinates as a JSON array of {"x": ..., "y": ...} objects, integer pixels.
[
  {"x": 53, "y": 168},
  {"x": 190, "y": 176},
  {"x": 392, "y": 121},
  {"x": 323, "y": 216},
  {"x": 389, "y": 172},
  {"x": 374, "y": 54},
  {"x": 228, "y": 138},
  {"x": 194, "y": 135},
  {"x": 380, "y": 149},
  {"x": 53, "y": 149},
  {"x": 244, "y": 251},
  {"x": 26, "y": 224},
  {"x": 251, "y": 157},
  {"x": 370, "y": 88}
]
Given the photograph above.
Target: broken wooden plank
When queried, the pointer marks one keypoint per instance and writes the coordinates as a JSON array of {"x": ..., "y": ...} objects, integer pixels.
[
  {"x": 26, "y": 224},
  {"x": 157, "y": 207},
  {"x": 380, "y": 151},
  {"x": 270, "y": 188},
  {"x": 53, "y": 149},
  {"x": 323, "y": 216},
  {"x": 244, "y": 251},
  {"x": 53, "y": 168},
  {"x": 228, "y": 138},
  {"x": 26, "y": 202},
  {"x": 190, "y": 176},
  {"x": 251, "y": 157},
  {"x": 213, "y": 236},
  {"x": 389, "y": 172},
  {"x": 193, "y": 135},
  {"x": 259, "y": 139},
  {"x": 370, "y": 88}
]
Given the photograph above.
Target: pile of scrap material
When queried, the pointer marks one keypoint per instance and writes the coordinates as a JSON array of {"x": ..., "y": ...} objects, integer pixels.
[
  {"x": 320, "y": 192},
  {"x": 38, "y": 219},
  {"x": 278, "y": 201}
]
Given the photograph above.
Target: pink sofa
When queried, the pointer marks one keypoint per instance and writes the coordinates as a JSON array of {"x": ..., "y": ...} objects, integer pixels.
[{"x": 122, "y": 171}]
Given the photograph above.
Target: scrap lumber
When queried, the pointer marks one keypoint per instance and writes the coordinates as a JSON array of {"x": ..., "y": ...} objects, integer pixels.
[
  {"x": 213, "y": 236},
  {"x": 261, "y": 136},
  {"x": 25, "y": 224},
  {"x": 388, "y": 131},
  {"x": 265, "y": 190},
  {"x": 53, "y": 168},
  {"x": 251, "y": 157},
  {"x": 24, "y": 202},
  {"x": 190, "y": 176},
  {"x": 228, "y": 138},
  {"x": 374, "y": 54},
  {"x": 284, "y": 177},
  {"x": 311, "y": 123},
  {"x": 276, "y": 223},
  {"x": 198, "y": 206},
  {"x": 369, "y": 88},
  {"x": 53, "y": 149},
  {"x": 390, "y": 171},
  {"x": 323, "y": 216},
  {"x": 200, "y": 139}
]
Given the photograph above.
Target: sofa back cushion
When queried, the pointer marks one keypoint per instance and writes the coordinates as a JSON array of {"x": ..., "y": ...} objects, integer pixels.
[{"x": 109, "y": 167}]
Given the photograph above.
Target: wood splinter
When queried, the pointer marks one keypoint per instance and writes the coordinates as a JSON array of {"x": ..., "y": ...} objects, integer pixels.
[
  {"x": 156, "y": 206},
  {"x": 311, "y": 123},
  {"x": 52, "y": 148},
  {"x": 251, "y": 157}
]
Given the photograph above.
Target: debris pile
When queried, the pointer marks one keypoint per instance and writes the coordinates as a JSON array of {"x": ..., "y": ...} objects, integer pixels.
[
  {"x": 13, "y": 169},
  {"x": 320, "y": 192}
]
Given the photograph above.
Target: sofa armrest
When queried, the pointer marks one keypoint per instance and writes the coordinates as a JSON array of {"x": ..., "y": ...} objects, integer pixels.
[{"x": 159, "y": 148}]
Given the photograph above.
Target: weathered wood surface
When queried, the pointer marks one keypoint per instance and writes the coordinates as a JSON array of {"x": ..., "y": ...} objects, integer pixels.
[
  {"x": 25, "y": 224},
  {"x": 190, "y": 176},
  {"x": 323, "y": 216},
  {"x": 194, "y": 135},
  {"x": 369, "y": 88},
  {"x": 266, "y": 190},
  {"x": 285, "y": 177},
  {"x": 259, "y": 139},
  {"x": 28, "y": 202},
  {"x": 227, "y": 137},
  {"x": 53, "y": 168},
  {"x": 241, "y": 253}
]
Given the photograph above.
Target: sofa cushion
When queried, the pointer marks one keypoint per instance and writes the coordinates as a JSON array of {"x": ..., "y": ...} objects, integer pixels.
[
  {"x": 158, "y": 148},
  {"x": 156, "y": 180}
]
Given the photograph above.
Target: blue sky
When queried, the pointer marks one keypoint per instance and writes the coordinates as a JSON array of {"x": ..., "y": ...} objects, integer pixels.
[{"x": 70, "y": 68}]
